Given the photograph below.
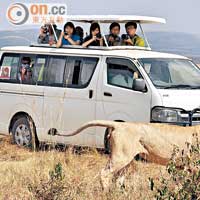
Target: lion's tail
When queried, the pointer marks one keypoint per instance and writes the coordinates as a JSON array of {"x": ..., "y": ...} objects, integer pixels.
[{"x": 101, "y": 123}]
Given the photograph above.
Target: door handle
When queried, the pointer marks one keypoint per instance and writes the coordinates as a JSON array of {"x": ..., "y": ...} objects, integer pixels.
[
  {"x": 90, "y": 94},
  {"x": 107, "y": 94}
]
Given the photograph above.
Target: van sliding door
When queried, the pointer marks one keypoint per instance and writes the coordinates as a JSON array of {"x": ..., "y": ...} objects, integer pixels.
[{"x": 70, "y": 98}]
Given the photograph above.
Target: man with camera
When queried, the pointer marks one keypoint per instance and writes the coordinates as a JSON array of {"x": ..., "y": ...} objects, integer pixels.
[
  {"x": 131, "y": 38},
  {"x": 25, "y": 71},
  {"x": 47, "y": 34},
  {"x": 113, "y": 38}
]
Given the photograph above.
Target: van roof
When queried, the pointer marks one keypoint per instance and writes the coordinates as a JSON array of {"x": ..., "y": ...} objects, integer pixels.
[
  {"x": 127, "y": 52},
  {"x": 115, "y": 18}
]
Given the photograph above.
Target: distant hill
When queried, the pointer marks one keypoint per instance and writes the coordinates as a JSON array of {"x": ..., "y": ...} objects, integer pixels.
[
  {"x": 179, "y": 43},
  {"x": 19, "y": 37}
]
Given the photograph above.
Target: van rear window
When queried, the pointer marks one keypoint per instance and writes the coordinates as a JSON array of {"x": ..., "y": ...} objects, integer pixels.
[{"x": 9, "y": 67}]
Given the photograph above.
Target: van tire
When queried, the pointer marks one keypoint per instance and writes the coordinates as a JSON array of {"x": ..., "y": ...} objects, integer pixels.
[
  {"x": 23, "y": 134},
  {"x": 107, "y": 142}
]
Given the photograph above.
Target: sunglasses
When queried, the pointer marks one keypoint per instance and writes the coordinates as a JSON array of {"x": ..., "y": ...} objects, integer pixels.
[{"x": 25, "y": 65}]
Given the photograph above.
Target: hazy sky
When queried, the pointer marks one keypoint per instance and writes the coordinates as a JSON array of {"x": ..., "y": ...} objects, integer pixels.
[{"x": 181, "y": 15}]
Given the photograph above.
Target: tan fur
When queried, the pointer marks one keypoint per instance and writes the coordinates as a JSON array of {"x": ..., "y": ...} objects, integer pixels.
[{"x": 154, "y": 141}]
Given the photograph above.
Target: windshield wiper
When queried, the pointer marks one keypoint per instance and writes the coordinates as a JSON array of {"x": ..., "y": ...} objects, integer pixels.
[{"x": 179, "y": 86}]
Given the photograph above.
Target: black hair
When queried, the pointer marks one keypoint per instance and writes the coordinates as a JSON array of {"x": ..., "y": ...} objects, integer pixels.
[
  {"x": 131, "y": 24},
  {"x": 93, "y": 27},
  {"x": 71, "y": 25},
  {"x": 26, "y": 59},
  {"x": 114, "y": 24},
  {"x": 79, "y": 31}
]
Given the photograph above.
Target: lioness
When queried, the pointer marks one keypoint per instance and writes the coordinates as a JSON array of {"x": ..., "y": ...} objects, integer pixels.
[{"x": 154, "y": 141}]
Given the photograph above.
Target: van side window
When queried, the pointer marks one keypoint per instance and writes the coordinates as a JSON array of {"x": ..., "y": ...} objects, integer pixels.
[
  {"x": 9, "y": 67},
  {"x": 56, "y": 69},
  {"x": 79, "y": 71},
  {"x": 121, "y": 72}
]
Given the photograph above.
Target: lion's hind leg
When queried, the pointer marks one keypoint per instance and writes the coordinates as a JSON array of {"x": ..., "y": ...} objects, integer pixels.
[{"x": 121, "y": 157}]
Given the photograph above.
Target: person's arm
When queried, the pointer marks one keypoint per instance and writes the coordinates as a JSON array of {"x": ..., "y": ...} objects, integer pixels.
[
  {"x": 23, "y": 72},
  {"x": 86, "y": 43},
  {"x": 72, "y": 42},
  {"x": 129, "y": 41},
  {"x": 101, "y": 41},
  {"x": 59, "y": 43}
]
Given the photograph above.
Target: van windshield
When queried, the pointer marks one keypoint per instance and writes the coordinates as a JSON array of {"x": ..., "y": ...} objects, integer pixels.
[{"x": 172, "y": 73}]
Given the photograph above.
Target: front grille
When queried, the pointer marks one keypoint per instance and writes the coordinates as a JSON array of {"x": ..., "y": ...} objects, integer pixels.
[{"x": 195, "y": 118}]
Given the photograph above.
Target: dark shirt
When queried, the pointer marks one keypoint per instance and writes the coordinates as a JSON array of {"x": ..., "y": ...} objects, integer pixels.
[
  {"x": 45, "y": 39},
  {"x": 94, "y": 43}
]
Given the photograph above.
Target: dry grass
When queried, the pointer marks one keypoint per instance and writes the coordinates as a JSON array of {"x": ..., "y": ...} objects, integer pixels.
[{"x": 21, "y": 169}]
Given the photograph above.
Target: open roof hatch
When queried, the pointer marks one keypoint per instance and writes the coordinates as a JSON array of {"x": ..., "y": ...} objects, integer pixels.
[{"x": 106, "y": 19}]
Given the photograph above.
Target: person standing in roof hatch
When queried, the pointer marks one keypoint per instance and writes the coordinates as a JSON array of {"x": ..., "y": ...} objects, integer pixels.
[
  {"x": 95, "y": 38},
  {"x": 113, "y": 38},
  {"x": 131, "y": 38},
  {"x": 68, "y": 36}
]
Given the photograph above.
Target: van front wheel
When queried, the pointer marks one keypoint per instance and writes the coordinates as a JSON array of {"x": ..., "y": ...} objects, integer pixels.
[{"x": 23, "y": 134}]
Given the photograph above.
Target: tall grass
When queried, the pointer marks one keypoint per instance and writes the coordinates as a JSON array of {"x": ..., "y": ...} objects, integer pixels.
[{"x": 52, "y": 174}]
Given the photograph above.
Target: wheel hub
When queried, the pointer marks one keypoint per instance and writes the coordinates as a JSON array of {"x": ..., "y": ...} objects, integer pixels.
[{"x": 22, "y": 135}]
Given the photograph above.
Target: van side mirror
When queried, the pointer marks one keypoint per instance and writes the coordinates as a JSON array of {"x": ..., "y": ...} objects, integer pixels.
[{"x": 139, "y": 85}]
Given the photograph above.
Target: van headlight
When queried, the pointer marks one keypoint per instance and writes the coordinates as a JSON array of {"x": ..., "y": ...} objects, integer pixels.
[{"x": 165, "y": 115}]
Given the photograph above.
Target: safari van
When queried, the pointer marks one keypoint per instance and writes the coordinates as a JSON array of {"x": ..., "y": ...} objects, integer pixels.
[{"x": 73, "y": 85}]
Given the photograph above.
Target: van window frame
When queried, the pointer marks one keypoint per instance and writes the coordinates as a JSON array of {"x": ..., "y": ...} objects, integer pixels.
[
  {"x": 126, "y": 59},
  {"x": 2, "y": 58},
  {"x": 81, "y": 57}
]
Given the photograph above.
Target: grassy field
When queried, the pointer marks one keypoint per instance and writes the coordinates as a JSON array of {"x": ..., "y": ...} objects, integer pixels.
[{"x": 26, "y": 175}]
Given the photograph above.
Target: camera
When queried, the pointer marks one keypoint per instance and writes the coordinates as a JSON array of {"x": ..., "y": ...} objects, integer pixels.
[
  {"x": 113, "y": 36},
  {"x": 26, "y": 66},
  {"x": 65, "y": 33},
  {"x": 45, "y": 29},
  {"x": 116, "y": 37},
  {"x": 125, "y": 37},
  {"x": 98, "y": 35}
]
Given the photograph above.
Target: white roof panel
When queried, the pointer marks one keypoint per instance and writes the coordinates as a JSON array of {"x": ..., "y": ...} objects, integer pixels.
[
  {"x": 86, "y": 51},
  {"x": 115, "y": 18}
]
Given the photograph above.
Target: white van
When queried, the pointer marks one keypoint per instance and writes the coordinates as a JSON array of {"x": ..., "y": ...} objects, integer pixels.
[{"x": 73, "y": 85}]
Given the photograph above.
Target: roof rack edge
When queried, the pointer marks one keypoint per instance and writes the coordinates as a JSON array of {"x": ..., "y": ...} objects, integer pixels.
[{"x": 92, "y": 47}]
